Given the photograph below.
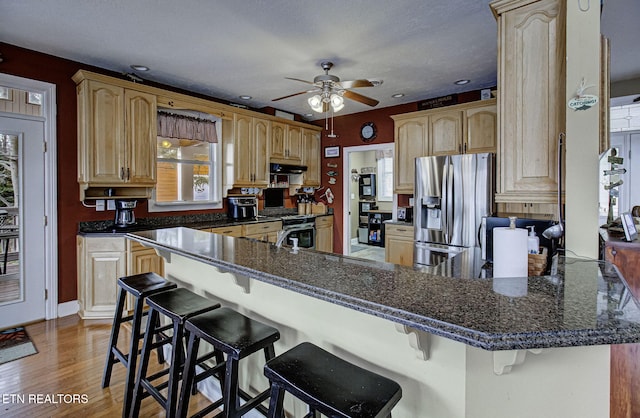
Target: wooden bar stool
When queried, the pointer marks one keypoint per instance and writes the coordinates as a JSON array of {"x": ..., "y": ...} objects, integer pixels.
[
  {"x": 177, "y": 305},
  {"x": 236, "y": 336},
  {"x": 329, "y": 385},
  {"x": 140, "y": 286}
]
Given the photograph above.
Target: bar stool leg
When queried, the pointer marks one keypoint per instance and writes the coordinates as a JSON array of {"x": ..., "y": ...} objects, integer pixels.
[
  {"x": 177, "y": 359},
  {"x": 113, "y": 339},
  {"x": 133, "y": 352},
  {"x": 189, "y": 373},
  {"x": 230, "y": 393},
  {"x": 276, "y": 408},
  {"x": 132, "y": 407}
]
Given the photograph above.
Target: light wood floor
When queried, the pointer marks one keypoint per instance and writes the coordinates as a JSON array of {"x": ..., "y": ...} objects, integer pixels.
[{"x": 70, "y": 360}]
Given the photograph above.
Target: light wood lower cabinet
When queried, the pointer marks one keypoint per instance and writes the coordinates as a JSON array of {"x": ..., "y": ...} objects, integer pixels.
[
  {"x": 398, "y": 244},
  {"x": 263, "y": 231},
  {"x": 101, "y": 261},
  {"x": 232, "y": 231},
  {"x": 324, "y": 233}
]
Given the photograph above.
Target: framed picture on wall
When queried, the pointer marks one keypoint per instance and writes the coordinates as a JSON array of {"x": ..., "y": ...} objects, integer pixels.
[{"x": 332, "y": 152}]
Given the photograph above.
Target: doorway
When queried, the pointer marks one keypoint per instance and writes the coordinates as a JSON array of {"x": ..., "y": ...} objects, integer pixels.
[
  {"x": 28, "y": 202},
  {"x": 367, "y": 188}
]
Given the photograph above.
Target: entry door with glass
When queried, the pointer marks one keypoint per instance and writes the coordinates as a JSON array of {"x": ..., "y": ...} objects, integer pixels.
[{"x": 22, "y": 229}]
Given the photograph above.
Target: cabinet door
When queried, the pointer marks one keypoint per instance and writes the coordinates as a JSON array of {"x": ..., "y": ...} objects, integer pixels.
[
  {"x": 263, "y": 231},
  {"x": 481, "y": 129},
  {"x": 445, "y": 133},
  {"x": 141, "y": 134},
  {"x": 294, "y": 144},
  {"x": 102, "y": 130},
  {"x": 103, "y": 262},
  {"x": 260, "y": 155},
  {"x": 243, "y": 162},
  {"x": 410, "y": 142},
  {"x": 324, "y": 234},
  {"x": 146, "y": 260},
  {"x": 532, "y": 96},
  {"x": 278, "y": 131},
  {"x": 311, "y": 157},
  {"x": 398, "y": 251}
]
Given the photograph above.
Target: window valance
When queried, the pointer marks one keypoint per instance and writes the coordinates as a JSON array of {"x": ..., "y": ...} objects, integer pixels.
[{"x": 174, "y": 125}]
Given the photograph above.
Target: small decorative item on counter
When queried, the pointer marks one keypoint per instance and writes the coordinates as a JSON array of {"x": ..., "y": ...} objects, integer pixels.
[
  {"x": 533, "y": 243},
  {"x": 537, "y": 262}
]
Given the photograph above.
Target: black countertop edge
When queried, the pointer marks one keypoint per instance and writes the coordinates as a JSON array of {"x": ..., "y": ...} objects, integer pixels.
[{"x": 475, "y": 338}]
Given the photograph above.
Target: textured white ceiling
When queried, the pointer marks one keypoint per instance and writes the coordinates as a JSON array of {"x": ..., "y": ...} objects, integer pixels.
[{"x": 228, "y": 48}]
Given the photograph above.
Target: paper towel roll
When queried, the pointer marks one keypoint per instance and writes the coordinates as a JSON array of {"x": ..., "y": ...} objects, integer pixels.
[{"x": 510, "y": 257}]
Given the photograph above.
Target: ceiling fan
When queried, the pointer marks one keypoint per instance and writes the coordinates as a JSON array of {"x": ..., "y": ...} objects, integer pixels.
[{"x": 330, "y": 90}]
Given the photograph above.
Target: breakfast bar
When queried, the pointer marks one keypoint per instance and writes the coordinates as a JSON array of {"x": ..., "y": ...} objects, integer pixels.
[{"x": 460, "y": 343}]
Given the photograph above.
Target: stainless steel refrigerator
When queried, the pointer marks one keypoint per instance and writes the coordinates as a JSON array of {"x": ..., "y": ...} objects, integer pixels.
[{"x": 452, "y": 194}]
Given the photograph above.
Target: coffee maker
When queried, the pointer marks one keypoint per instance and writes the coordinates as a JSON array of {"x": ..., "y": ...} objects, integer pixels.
[{"x": 124, "y": 213}]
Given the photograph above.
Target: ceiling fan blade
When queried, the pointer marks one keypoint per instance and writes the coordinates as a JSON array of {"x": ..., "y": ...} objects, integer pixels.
[
  {"x": 295, "y": 94},
  {"x": 302, "y": 81},
  {"x": 360, "y": 98},
  {"x": 351, "y": 84}
]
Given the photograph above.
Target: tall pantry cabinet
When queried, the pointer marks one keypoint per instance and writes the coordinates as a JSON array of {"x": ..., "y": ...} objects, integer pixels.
[{"x": 531, "y": 92}]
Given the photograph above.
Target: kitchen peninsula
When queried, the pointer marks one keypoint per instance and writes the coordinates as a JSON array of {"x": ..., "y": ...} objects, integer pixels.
[{"x": 459, "y": 345}]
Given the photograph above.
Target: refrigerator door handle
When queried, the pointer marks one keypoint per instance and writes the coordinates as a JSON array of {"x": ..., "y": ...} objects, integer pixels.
[{"x": 444, "y": 203}]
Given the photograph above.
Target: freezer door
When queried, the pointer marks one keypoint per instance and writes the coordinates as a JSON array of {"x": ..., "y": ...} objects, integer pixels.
[{"x": 428, "y": 212}]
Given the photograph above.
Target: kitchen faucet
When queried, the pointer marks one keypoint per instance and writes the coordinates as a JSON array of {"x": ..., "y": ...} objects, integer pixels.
[{"x": 282, "y": 236}]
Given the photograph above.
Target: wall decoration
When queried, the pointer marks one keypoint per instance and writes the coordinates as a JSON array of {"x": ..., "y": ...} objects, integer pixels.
[
  {"x": 332, "y": 152},
  {"x": 582, "y": 101}
]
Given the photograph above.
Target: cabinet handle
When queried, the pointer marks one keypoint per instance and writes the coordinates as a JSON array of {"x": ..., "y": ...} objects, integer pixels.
[
  {"x": 121, "y": 173},
  {"x": 401, "y": 230},
  {"x": 465, "y": 148},
  {"x": 459, "y": 148},
  {"x": 128, "y": 173}
]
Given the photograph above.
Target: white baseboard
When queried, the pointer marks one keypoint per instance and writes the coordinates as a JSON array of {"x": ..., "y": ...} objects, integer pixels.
[{"x": 68, "y": 308}]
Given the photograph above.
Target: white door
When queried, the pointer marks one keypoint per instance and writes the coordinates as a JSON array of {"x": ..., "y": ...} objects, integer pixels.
[{"x": 23, "y": 235}]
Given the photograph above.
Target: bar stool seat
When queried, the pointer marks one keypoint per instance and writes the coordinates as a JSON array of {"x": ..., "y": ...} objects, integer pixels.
[
  {"x": 140, "y": 286},
  {"x": 329, "y": 385},
  {"x": 177, "y": 305},
  {"x": 237, "y": 336}
]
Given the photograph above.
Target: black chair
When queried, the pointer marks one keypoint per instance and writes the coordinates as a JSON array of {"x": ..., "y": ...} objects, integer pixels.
[
  {"x": 140, "y": 286},
  {"x": 329, "y": 385},
  {"x": 177, "y": 305},
  {"x": 236, "y": 336}
]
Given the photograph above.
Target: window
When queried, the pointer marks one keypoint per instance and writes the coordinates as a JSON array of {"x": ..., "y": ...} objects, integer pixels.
[
  {"x": 188, "y": 170},
  {"x": 385, "y": 179}
]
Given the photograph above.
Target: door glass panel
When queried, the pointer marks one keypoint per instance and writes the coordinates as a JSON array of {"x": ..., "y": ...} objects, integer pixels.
[{"x": 11, "y": 286}]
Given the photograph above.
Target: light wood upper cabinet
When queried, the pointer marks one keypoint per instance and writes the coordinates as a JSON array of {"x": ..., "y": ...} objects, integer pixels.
[
  {"x": 286, "y": 143},
  {"x": 480, "y": 131},
  {"x": 411, "y": 141},
  {"x": 531, "y": 101},
  {"x": 464, "y": 128},
  {"x": 445, "y": 132},
  {"x": 311, "y": 157},
  {"x": 116, "y": 138},
  {"x": 251, "y": 144}
]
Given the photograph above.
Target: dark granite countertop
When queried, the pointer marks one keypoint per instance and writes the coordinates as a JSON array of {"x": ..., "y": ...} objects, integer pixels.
[
  {"x": 585, "y": 303},
  {"x": 200, "y": 221}
]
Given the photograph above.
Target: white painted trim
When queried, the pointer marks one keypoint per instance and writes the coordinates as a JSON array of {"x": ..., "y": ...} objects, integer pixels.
[
  {"x": 346, "y": 181},
  {"x": 49, "y": 111},
  {"x": 68, "y": 308}
]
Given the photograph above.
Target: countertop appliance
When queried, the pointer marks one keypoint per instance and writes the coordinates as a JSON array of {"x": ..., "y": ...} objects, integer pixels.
[
  {"x": 452, "y": 195},
  {"x": 302, "y": 227},
  {"x": 245, "y": 207},
  {"x": 124, "y": 213},
  {"x": 286, "y": 169}
]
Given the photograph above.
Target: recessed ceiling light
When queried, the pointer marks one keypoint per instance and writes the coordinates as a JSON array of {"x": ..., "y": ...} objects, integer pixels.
[
  {"x": 245, "y": 97},
  {"x": 140, "y": 67},
  {"x": 308, "y": 115},
  {"x": 397, "y": 95},
  {"x": 462, "y": 82}
]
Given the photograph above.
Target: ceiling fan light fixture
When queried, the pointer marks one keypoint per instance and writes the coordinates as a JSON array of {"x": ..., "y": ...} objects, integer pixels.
[
  {"x": 316, "y": 103},
  {"x": 337, "y": 102}
]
